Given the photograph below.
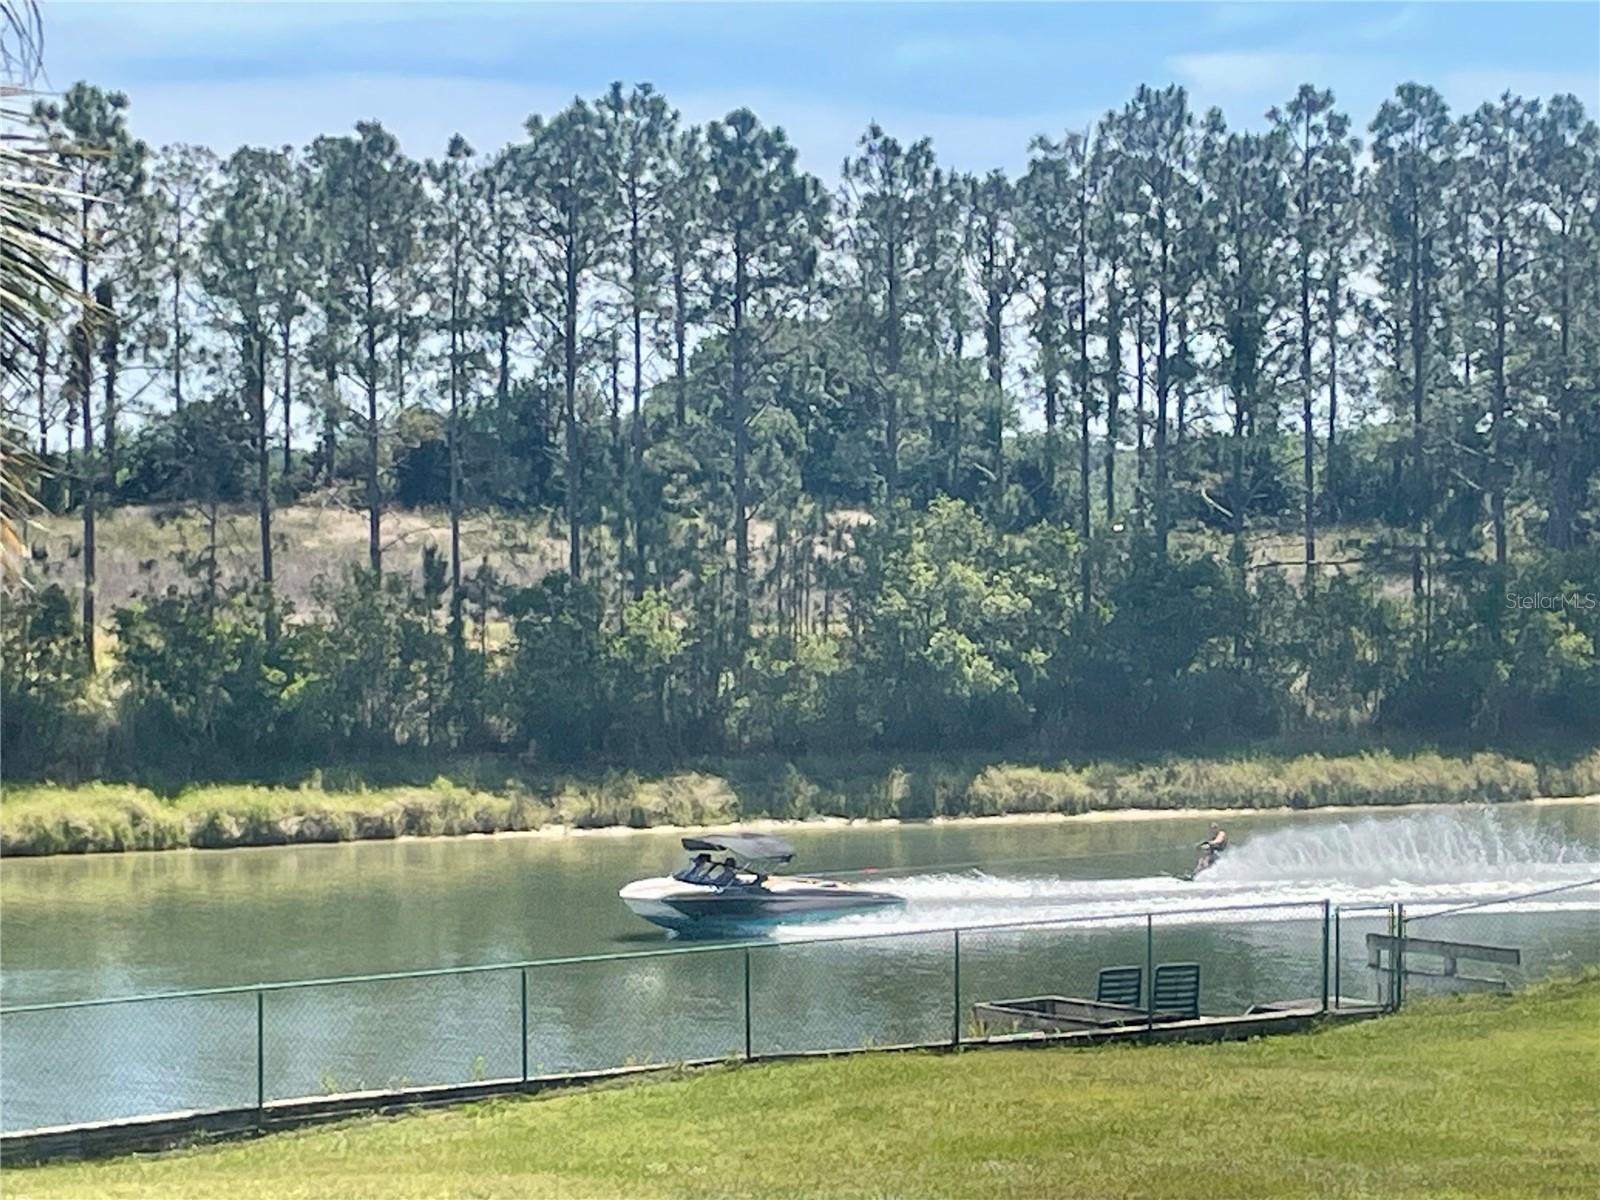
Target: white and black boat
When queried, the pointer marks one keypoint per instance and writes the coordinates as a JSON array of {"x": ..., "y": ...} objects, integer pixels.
[{"x": 728, "y": 889}]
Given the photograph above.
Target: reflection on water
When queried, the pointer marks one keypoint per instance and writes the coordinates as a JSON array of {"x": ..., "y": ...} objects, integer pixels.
[{"x": 137, "y": 923}]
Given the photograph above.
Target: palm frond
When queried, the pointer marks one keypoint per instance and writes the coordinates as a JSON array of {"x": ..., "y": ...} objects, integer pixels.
[{"x": 35, "y": 240}]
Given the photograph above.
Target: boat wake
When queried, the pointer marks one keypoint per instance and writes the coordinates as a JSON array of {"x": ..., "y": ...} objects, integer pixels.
[
  {"x": 1425, "y": 861},
  {"x": 1436, "y": 848}
]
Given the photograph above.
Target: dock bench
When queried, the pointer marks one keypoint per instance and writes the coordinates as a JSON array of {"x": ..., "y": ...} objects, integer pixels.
[{"x": 1118, "y": 993}]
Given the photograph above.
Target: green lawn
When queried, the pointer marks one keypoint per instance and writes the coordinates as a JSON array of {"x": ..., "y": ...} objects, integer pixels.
[{"x": 1483, "y": 1096}]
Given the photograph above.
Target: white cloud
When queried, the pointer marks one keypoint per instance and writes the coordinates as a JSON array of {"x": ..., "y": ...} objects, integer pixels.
[
  {"x": 1246, "y": 14},
  {"x": 1237, "y": 73},
  {"x": 1390, "y": 24},
  {"x": 160, "y": 21},
  {"x": 133, "y": 43},
  {"x": 952, "y": 49}
]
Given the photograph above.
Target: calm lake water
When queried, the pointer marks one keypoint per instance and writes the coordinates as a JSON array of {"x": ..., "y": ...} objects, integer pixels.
[{"x": 109, "y": 925}]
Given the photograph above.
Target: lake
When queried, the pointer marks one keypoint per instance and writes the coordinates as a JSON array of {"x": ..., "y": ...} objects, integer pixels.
[{"x": 109, "y": 925}]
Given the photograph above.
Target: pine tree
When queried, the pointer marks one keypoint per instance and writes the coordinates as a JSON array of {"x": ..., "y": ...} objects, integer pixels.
[
  {"x": 1047, "y": 241},
  {"x": 1320, "y": 153},
  {"x": 1495, "y": 208},
  {"x": 504, "y": 268},
  {"x": 241, "y": 247},
  {"x": 993, "y": 257},
  {"x": 1056, "y": 212},
  {"x": 366, "y": 194},
  {"x": 1413, "y": 149},
  {"x": 1165, "y": 199},
  {"x": 565, "y": 188},
  {"x": 1113, "y": 244},
  {"x": 764, "y": 222},
  {"x": 458, "y": 221},
  {"x": 684, "y": 207},
  {"x": 88, "y": 131},
  {"x": 1567, "y": 352},
  {"x": 639, "y": 130},
  {"x": 182, "y": 179},
  {"x": 291, "y": 277},
  {"x": 1245, "y": 221},
  {"x": 887, "y": 188}
]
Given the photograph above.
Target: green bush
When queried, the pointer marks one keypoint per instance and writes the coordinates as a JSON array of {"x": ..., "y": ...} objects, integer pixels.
[
  {"x": 1578, "y": 778},
  {"x": 1013, "y": 789},
  {"x": 92, "y": 817}
]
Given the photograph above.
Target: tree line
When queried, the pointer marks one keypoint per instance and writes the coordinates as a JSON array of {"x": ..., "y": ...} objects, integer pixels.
[{"x": 940, "y": 455}]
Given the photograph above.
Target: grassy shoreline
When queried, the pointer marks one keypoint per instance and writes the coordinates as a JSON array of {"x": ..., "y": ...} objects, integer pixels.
[
  {"x": 1481, "y": 1096},
  {"x": 43, "y": 819}
]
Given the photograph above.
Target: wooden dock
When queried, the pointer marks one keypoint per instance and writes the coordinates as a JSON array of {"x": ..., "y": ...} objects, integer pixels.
[
  {"x": 1263, "y": 1020},
  {"x": 1393, "y": 957}
]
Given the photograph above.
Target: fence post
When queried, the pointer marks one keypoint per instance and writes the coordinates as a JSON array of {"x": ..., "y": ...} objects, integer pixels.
[
  {"x": 747, "y": 1042},
  {"x": 1149, "y": 973},
  {"x": 261, "y": 1055},
  {"x": 1386, "y": 982},
  {"x": 1325, "y": 909},
  {"x": 1338, "y": 955},
  {"x": 1399, "y": 956},
  {"x": 955, "y": 1013},
  {"x": 523, "y": 972}
]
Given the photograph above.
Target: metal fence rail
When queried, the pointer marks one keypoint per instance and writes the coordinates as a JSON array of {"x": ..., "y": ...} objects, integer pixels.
[
  {"x": 252, "y": 1045},
  {"x": 1500, "y": 944}
]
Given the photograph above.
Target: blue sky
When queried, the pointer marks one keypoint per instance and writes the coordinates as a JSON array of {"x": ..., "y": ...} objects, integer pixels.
[{"x": 980, "y": 79}]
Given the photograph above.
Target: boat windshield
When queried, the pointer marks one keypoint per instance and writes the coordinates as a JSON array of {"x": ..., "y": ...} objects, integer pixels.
[{"x": 726, "y": 873}]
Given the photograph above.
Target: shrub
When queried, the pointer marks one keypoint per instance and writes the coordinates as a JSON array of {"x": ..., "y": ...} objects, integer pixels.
[{"x": 1013, "y": 789}]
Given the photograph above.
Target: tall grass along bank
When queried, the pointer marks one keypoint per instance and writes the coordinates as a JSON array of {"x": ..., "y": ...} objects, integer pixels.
[{"x": 46, "y": 819}]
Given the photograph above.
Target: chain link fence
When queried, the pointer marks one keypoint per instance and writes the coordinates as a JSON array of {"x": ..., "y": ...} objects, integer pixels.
[
  {"x": 1354, "y": 980},
  {"x": 237, "y": 1048},
  {"x": 1501, "y": 944}
]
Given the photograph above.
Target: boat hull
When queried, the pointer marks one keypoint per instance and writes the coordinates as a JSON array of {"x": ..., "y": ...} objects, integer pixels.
[{"x": 703, "y": 910}]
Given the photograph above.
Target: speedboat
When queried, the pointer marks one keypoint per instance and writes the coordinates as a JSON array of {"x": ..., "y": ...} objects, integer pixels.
[{"x": 736, "y": 892}]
